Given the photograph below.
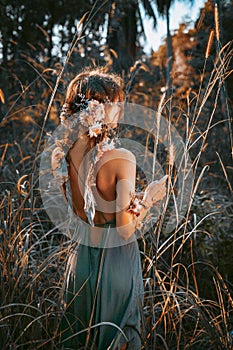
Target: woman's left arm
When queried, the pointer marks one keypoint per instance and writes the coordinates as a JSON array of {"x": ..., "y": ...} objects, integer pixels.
[
  {"x": 125, "y": 169},
  {"x": 132, "y": 207}
]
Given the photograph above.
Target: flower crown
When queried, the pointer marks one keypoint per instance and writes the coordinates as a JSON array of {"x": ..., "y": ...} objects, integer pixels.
[
  {"x": 93, "y": 118},
  {"x": 91, "y": 115}
]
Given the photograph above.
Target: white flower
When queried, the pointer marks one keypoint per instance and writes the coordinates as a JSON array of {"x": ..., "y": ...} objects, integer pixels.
[
  {"x": 85, "y": 118},
  {"x": 95, "y": 129},
  {"x": 107, "y": 145},
  {"x": 96, "y": 109},
  {"x": 93, "y": 117},
  {"x": 135, "y": 206},
  {"x": 100, "y": 113}
]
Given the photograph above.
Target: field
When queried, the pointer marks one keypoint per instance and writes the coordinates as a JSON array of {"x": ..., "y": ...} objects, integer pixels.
[{"x": 188, "y": 276}]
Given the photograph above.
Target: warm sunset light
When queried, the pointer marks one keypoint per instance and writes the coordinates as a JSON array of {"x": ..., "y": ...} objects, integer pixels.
[{"x": 116, "y": 175}]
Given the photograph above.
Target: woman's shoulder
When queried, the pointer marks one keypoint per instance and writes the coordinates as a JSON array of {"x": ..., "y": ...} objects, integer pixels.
[
  {"x": 121, "y": 153},
  {"x": 116, "y": 158},
  {"x": 124, "y": 152}
]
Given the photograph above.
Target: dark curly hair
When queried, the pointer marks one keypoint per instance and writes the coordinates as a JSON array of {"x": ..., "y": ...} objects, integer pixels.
[{"x": 93, "y": 83}]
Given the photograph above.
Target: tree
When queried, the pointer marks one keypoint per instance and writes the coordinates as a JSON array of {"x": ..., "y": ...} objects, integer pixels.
[
  {"x": 125, "y": 25},
  {"x": 163, "y": 7},
  {"x": 27, "y": 32}
]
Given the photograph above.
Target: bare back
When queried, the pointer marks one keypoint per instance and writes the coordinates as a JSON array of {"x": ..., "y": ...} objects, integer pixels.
[{"x": 115, "y": 167}]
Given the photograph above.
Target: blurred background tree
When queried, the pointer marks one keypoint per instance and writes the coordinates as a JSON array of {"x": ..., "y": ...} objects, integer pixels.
[
  {"x": 164, "y": 10},
  {"x": 42, "y": 31},
  {"x": 35, "y": 37}
]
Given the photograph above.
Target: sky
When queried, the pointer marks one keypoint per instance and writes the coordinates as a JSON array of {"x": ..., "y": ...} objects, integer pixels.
[{"x": 179, "y": 11}]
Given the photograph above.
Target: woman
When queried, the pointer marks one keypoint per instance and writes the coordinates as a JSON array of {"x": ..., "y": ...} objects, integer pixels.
[{"x": 104, "y": 287}]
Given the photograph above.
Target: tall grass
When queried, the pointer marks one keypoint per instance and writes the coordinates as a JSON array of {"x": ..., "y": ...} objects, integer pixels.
[{"x": 187, "y": 301}]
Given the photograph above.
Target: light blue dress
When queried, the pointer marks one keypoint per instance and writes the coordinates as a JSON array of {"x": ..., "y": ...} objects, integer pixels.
[{"x": 104, "y": 291}]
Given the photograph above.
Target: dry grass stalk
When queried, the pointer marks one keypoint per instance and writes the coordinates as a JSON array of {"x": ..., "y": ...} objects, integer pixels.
[
  {"x": 209, "y": 44},
  {"x": 225, "y": 172},
  {"x": 171, "y": 155},
  {"x": 216, "y": 21},
  {"x": 2, "y": 98}
]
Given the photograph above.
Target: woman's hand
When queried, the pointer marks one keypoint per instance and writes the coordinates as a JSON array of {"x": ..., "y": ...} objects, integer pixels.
[{"x": 154, "y": 192}]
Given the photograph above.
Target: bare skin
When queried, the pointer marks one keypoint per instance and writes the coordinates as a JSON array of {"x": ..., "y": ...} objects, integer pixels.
[
  {"x": 115, "y": 181},
  {"x": 114, "y": 166}
]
